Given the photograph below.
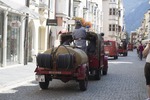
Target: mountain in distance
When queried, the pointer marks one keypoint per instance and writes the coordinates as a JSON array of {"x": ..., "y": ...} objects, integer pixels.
[{"x": 134, "y": 13}]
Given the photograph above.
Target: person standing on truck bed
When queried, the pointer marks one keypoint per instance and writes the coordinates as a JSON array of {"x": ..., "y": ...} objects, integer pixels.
[{"x": 79, "y": 36}]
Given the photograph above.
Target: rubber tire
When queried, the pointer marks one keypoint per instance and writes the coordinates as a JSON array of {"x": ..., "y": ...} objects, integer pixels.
[
  {"x": 98, "y": 74},
  {"x": 116, "y": 57},
  {"x": 84, "y": 83},
  {"x": 104, "y": 72},
  {"x": 124, "y": 54},
  {"x": 44, "y": 85}
]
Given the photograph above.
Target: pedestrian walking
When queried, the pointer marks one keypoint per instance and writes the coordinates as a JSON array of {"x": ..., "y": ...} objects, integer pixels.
[
  {"x": 79, "y": 36},
  {"x": 141, "y": 48},
  {"x": 146, "y": 53}
]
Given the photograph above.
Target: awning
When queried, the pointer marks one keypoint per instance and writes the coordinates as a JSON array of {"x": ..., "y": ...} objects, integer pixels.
[{"x": 19, "y": 7}]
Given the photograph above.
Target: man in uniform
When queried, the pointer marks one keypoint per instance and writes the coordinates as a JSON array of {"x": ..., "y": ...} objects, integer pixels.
[{"x": 79, "y": 36}]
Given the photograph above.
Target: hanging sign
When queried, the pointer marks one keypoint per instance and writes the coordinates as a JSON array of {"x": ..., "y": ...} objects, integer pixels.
[
  {"x": 51, "y": 22},
  {"x": 15, "y": 24}
]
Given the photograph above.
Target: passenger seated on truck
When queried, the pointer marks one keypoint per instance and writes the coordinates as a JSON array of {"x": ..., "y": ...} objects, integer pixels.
[
  {"x": 91, "y": 48},
  {"x": 66, "y": 39},
  {"x": 67, "y": 42}
]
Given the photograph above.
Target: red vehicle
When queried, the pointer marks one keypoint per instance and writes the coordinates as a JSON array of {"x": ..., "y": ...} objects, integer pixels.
[
  {"x": 111, "y": 48},
  {"x": 68, "y": 62},
  {"x": 130, "y": 47},
  {"x": 98, "y": 63},
  {"x": 123, "y": 48}
]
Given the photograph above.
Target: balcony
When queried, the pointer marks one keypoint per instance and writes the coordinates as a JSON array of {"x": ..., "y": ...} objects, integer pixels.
[
  {"x": 76, "y": 2},
  {"x": 62, "y": 8}
]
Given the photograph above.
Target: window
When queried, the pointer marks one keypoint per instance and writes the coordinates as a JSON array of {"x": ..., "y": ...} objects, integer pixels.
[
  {"x": 119, "y": 13},
  {"x": 113, "y": 27},
  {"x": 74, "y": 11},
  {"x": 110, "y": 11},
  {"x": 92, "y": 10},
  {"x": 114, "y": 11},
  {"x": 13, "y": 39},
  {"x": 95, "y": 11},
  {"x": 51, "y": 5},
  {"x": 109, "y": 27},
  {"x": 107, "y": 43},
  {"x": 112, "y": 0},
  {"x": 116, "y": 27}
]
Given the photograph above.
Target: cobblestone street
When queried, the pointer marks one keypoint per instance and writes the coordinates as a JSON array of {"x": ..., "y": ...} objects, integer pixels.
[{"x": 125, "y": 81}]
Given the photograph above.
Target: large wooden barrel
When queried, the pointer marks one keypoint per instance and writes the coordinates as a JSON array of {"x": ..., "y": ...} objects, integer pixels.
[{"x": 80, "y": 55}]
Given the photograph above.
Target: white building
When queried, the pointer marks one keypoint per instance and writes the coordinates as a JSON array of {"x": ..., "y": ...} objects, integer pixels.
[
  {"x": 96, "y": 15},
  {"x": 113, "y": 21},
  {"x": 90, "y": 10},
  {"x": 12, "y": 31},
  {"x": 13, "y": 38},
  {"x": 40, "y": 34},
  {"x": 46, "y": 19}
]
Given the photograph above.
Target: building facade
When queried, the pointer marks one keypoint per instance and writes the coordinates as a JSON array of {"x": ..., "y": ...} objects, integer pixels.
[
  {"x": 15, "y": 35},
  {"x": 113, "y": 22},
  {"x": 33, "y": 26},
  {"x": 143, "y": 31},
  {"x": 12, "y": 29}
]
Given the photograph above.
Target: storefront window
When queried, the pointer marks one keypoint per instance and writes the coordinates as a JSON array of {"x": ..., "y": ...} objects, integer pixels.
[{"x": 13, "y": 39}]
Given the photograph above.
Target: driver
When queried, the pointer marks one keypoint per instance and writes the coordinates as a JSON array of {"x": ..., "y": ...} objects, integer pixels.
[{"x": 79, "y": 36}]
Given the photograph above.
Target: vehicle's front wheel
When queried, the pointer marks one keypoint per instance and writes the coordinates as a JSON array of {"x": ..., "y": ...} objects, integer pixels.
[{"x": 44, "y": 85}]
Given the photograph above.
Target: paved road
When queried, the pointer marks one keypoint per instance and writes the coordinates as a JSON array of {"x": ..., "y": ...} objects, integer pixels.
[{"x": 125, "y": 81}]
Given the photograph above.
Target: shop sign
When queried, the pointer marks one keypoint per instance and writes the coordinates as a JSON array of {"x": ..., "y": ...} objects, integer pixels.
[
  {"x": 51, "y": 22},
  {"x": 15, "y": 24}
]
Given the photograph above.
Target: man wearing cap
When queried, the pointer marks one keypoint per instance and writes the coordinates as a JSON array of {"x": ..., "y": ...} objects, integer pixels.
[{"x": 79, "y": 36}]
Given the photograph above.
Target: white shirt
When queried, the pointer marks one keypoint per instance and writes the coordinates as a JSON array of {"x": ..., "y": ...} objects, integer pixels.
[{"x": 148, "y": 57}]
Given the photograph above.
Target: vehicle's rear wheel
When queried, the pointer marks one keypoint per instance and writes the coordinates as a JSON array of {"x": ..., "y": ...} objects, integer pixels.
[
  {"x": 104, "y": 71},
  {"x": 98, "y": 74},
  {"x": 124, "y": 54},
  {"x": 83, "y": 83},
  {"x": 115, "y": 57},
  {"x": 44, "y": 85}
]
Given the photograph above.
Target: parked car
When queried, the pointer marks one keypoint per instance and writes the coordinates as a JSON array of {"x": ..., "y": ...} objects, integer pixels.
[{"x": 111, "y": 48}]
